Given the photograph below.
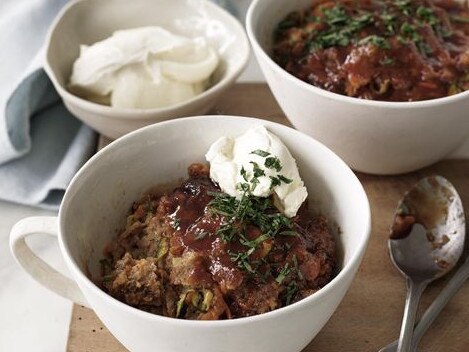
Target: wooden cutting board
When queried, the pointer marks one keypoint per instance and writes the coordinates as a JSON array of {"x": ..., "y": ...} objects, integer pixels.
[{"x": 369, "y": 317}]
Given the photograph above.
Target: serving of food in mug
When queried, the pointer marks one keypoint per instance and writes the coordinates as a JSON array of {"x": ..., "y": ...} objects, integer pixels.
[
  {"x": 235, "y": 239},
  {"x": 387, "y": 50}
]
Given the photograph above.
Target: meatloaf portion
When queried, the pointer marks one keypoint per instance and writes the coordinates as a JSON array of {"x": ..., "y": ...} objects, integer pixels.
[{"x": 180, "y": 255}]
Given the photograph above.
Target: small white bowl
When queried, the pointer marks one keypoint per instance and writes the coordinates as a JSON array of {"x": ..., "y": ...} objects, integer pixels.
[
  {"x": 89, "y": 21},
  {"x": 100, "y": 195},
  {"x": 371, "y": 136}
]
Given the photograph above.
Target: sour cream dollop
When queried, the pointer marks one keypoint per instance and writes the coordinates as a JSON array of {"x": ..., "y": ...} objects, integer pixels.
[
  {"x": 147, "y": 67},
  {"x": 234, "y": 161}
]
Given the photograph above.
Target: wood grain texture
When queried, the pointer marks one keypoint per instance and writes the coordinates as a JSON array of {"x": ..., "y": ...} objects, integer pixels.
[{"x": 370, "y": 314}]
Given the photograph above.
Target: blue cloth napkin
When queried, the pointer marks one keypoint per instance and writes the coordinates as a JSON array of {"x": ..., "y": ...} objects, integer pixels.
[
  {"x": 41, "y": 144},
  {"x": 51, "y": 145}
]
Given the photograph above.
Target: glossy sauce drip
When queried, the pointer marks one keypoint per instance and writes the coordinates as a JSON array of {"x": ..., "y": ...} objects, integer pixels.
[{"x": 198, "y": 232}]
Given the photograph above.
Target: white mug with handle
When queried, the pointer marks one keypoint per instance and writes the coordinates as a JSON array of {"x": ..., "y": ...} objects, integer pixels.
[
  {"x": 96, "y": 205},
  {"x": 35, "y": 266}
]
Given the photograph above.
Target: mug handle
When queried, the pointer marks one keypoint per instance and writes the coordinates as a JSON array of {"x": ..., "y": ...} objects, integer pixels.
[{"x": 37, "y": 268}]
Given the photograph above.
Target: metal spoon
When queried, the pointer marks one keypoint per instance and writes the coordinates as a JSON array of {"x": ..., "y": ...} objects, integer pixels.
[
  {"x": 436, "y": 307},
  {"x": 427, "y": 240}
]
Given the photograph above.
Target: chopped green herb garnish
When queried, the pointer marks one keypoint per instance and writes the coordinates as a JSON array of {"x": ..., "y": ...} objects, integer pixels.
[
  {"x": 258, "y": 172},
  {"x": 243, "y": 187},
  {"x": 335, "y": 16},
  {"x": 260, "y": 152},
  {"x": 238, "y": 213},
  {"x": 409, "y": 31},
  {"x": 375, "y": 40},
  {"x": 274, "y": 182},
  {"x": 242, "y": 260},
  {"x": 427, "y": 14},
  {"x": 254, "y": 183},
  {"x": 404, "y": 6},
  {"x": 253, "y": 243},
  {"x": 285, "y": 179},
  {"x": 295, "y": 261},
  {"x": 227, "y": 232},
  {"x": 292, "y": 289},
  {"x": 249, "y": 209},
  {"x": 273, "y": 162},
  {"x": 341, "y": 28},
  {"x": 297, "y": 268},
  {"x": 244, "y": 174},
  {"x": 389, "y": 22},
  {"x": 387, "y": 61},
  {"x": 286, "y": 270}
]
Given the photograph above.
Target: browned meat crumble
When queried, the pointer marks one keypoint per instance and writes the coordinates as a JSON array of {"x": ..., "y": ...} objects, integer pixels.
[{"x": 171, "y": 258}]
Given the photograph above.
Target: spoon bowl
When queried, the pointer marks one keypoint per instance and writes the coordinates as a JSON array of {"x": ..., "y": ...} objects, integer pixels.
[{"x": 426, "y": 241}]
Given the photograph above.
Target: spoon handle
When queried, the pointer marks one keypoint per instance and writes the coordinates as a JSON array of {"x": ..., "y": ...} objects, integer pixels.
[
  {"x": 436, "y": 307},
  {"x": 414, "y": 292},
  {"x": 440, "y": 302}
]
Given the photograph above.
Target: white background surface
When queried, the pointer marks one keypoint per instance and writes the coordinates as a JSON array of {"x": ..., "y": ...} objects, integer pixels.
[{"x": 32, "y": 318}]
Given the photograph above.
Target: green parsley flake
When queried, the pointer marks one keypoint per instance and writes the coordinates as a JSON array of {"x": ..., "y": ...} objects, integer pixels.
[
  {"x": 427, "y": 15},
  {"x": 292, "y": 290},
  {"x": 387, "y": 61},
  {"x": 341, "y": 28},
  {"x": 244, "y": 174},
  {"x": 258, "y": 172},
  {"x": 285, "y": 179},
  {"x": 260, "y": 152},
  {"x": 273, "y": 163},
  {"x": 286, "y": 270},
  {"x": 242, "y": 260},
  {"x": 375, "y": 40},
  {"x": 274, "y": 182}
]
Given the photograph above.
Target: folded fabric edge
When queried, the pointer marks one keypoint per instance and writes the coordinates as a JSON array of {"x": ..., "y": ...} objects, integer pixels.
[{"x": 27, "y": 99}]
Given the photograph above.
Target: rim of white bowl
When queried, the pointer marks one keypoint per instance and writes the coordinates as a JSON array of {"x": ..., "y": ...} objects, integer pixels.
[
  {"x": 126, "y": 113},
  {"x": 252, "y": 35},
  {"x": 317, "y": 296}
]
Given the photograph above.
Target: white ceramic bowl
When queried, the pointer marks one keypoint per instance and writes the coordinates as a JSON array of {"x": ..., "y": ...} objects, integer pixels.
[
  {"x": 100, "y": 195},
  {"x": 89, "y": 21},
  {"x": 371, "y": 136}
]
